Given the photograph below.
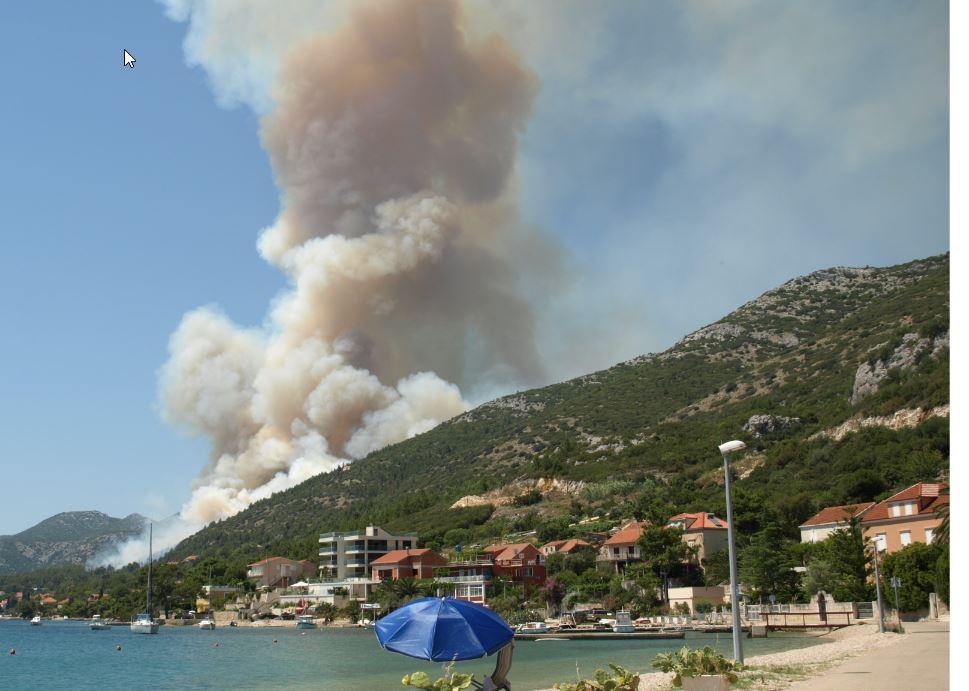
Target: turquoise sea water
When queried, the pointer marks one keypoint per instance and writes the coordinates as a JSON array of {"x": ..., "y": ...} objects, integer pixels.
[{"x": 68, "y": 655}]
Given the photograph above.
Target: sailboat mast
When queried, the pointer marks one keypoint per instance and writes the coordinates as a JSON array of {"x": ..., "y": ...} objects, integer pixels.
[{"x": 148, "y": 596}]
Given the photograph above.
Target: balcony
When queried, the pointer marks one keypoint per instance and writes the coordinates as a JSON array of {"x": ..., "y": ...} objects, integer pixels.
[{"x": 477, "y": 578}]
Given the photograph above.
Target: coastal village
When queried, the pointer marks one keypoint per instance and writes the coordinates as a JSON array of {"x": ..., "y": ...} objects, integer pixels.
[{"x": 362, "y": 567}]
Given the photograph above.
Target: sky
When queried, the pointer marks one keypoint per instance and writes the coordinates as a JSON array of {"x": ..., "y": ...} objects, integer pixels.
[{"x": 678, "y": 160}]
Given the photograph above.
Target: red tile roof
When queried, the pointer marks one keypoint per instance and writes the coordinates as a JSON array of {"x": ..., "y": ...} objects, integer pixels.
[
  {"x": 837, "y": 514},
  {"x": 405, "y": 556},
  {"x": 566, "y": 545},
  {"x": 513, "y": 551},
  {"x": 928, "y": 497},
  {"x": 627, "y": 535},
  {"x": 698, "y": 521}
]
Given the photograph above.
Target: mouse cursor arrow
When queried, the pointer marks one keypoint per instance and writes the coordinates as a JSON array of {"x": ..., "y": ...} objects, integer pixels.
[{"x": 129, "y": 59}]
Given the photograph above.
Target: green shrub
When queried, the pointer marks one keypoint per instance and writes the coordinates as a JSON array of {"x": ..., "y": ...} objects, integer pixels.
[
  {"x": 621, "y": 679},
  {"x": 696, "y": 663}
]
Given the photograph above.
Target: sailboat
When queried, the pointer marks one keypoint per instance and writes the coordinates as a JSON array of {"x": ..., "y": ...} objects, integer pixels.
[{"x": 144, "y": 622}]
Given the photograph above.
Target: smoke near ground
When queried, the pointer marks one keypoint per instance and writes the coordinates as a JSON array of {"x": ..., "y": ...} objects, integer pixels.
[{"x": 392, "y": 137}]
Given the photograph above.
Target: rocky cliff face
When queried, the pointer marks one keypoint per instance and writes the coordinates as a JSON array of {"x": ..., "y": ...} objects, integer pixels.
[{"x": 870, "y": 375}]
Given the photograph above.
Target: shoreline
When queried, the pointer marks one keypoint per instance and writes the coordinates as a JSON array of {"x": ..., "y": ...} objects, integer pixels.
[{"x": 780, "y": 670}]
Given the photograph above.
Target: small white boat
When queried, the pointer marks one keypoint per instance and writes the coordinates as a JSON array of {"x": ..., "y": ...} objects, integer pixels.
[
  {"x": 144, "y": 623},
  {"x": 623, "y": 623},
  {"x": 98, "y": 624},
  {"x": 305, "y": 621},
  {"x": 207, "y": 624},
  {"x": 533, "y": 627},
  {"x": 35, "y": 621}
]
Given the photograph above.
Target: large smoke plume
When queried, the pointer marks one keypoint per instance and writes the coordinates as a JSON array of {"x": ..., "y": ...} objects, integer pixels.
[{"x": 393, "y": 141}]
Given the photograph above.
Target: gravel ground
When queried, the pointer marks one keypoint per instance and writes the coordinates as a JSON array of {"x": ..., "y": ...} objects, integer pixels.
[{"x": 845, "y": 643}]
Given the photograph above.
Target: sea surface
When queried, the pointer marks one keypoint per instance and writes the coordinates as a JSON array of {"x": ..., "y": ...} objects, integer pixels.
[{"x": 69, "y": 655}]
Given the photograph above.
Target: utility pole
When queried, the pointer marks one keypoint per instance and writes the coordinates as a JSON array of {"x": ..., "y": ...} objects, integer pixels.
[{"x": 878, "y": 591}]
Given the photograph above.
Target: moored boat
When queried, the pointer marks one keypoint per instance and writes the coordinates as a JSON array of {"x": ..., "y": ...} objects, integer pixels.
[
  {"x": 623, "y": 623},
  {"x": 35, "y": 621},
  {"x": 97, "y": 623},
  {"x": 532, "y": 627},
  {"x": 145, "y": 622},
  {"x": 207, "y": 624},
  {"x": 305, "y": 621}
]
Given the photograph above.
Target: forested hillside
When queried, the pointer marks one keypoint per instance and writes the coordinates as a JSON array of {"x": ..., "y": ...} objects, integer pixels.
[{"x": 782, "y": 372}]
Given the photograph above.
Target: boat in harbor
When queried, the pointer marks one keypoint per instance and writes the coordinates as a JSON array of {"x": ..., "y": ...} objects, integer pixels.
[
  {"x": 532, "y": 627},
  {"x": 623, "y": 623},
  {"x": 145, "y": 622},
  {"x": 207, "y": 624},
  {"x": 305, "y": 621},
  {"x": 98, "y": 624},
  {"x": 35, "y": 621}
]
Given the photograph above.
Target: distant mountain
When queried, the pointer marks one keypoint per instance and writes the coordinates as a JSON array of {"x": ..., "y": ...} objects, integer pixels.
[
  {"x": 860, "y": 350},
  {"x": 72, "y": 537}
]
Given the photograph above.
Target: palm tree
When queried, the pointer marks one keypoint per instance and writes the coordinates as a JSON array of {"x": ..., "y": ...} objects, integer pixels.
[{"x": 407, "y": 589}]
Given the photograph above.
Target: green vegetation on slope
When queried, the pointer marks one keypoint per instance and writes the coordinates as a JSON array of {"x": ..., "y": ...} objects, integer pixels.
[{"x": 653, "y": 423}]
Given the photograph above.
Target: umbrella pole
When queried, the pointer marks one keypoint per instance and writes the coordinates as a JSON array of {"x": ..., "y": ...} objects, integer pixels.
[{"x": 499, "y": 678}]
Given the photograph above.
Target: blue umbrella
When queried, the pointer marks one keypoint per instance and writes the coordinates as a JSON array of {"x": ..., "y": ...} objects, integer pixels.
[{"x": 443, "y": 629}]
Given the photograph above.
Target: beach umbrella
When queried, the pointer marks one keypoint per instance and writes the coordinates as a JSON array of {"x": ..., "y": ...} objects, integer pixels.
[{"x": 443, "y": 629}]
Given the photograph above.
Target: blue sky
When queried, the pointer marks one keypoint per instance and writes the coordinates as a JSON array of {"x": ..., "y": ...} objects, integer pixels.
[{"x": 685, "y": 160}]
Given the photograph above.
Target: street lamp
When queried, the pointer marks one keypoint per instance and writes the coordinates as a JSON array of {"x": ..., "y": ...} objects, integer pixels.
[{"x": 725, "y": 451}]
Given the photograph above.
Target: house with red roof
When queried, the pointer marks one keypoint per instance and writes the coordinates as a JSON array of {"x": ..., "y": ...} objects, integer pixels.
[
  {"x": 912, "y": 515},
  {"x": 564, "y": 546},
  {"x": 621, "y": 548},
  {"x": 406, "y": 563},
  {"x": 831, "y": 518},
  {"x": 275, "y": 572},
  {"x": 705, "y": 533},
  {"x": 521, "y": 563}
]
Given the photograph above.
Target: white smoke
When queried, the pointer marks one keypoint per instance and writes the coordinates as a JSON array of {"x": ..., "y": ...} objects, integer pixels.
[{"x": 393, "y": 138}]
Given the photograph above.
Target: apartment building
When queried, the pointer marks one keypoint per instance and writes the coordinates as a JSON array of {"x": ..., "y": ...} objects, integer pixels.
[
  {"x": 351, "y": 554},
  {"x": 829, "y": 519},
  {"x": 909, "y": 516}
]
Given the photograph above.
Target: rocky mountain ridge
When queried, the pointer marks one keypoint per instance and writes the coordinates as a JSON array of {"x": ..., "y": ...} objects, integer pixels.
[{"x": 72, "y": 537}]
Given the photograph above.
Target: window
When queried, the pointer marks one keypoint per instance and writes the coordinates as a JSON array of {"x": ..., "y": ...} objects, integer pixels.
[
  {"x": 909, "y": 509},
  {"x": 615, "y": 551},
  {"x": 629, "y": 550},
  {"x": 928, "y": 536},
  {"x": 528, "y": 570},
  {"x": 906, "y": 537},
  {"x": 880, "y": 542},
  {"x": 896, "y": 510}
]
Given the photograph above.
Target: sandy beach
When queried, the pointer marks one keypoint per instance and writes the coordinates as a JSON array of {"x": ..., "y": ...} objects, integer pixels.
[{"x": 780, "y": 670}]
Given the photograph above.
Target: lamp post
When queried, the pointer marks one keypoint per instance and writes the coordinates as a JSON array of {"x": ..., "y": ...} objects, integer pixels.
[{"x": 725, "y": 450}]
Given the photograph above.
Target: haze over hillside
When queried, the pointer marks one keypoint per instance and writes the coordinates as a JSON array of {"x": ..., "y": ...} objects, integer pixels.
[
  {"x": 837, "y": 380},
  {"x": 72, "y": 537}
]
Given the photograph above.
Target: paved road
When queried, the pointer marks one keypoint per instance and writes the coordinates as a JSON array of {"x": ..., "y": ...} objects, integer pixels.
[{"x": 920, "y": 663}]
